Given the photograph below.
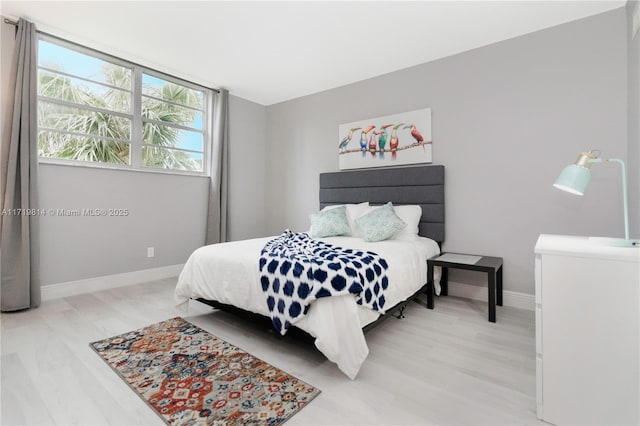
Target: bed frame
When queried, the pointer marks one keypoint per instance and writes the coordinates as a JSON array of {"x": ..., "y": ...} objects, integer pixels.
[{"x": 422, "y": 185}]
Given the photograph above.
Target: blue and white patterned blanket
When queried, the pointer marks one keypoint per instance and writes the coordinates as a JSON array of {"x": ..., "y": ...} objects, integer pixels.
[{"x": 296, "y": 269}]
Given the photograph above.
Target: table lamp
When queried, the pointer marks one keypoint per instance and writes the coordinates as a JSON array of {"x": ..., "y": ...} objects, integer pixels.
[{"x": 575, "y": 178}]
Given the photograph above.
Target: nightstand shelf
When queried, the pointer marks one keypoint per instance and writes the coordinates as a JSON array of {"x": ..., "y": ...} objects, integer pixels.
[{"x": 488, "y": 264}]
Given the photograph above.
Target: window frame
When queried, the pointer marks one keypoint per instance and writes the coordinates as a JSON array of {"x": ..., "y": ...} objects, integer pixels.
[{"x": 136, "y": 143}]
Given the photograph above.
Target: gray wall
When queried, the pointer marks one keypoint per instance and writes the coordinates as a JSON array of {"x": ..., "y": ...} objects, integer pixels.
[
  {"x": 167, "y": 212},
  {"x": 633, "y": 162},
  {"x": 247, "y": 169},
  {"x": 506, "y": 119}
]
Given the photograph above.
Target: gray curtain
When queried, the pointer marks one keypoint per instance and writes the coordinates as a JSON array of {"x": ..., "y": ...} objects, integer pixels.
[
  {"x": 19, "y": 242},
  {"x": 219, "y": 160}
]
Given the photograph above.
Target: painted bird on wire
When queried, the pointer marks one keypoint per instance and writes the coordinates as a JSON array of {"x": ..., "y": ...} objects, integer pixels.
[
  {"x": 363, "y": 139},
  {"x": 393, "y": 144},
  {"x": 345, "y": 141},
  {"x": 383, "y": 136},
  {"x": 416, "y": 134},
  {"x": 373, "y": 143}
]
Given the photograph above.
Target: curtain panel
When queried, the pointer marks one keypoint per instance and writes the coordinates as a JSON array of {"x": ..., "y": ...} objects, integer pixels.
[
  {"x": 19, "y": 239},
  {"x": 219, "y": 160}
]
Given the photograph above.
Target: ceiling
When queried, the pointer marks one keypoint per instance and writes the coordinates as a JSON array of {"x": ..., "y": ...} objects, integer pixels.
[{"x": 270, "y": 52}]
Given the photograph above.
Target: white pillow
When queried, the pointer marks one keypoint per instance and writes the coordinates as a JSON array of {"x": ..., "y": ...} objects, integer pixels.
[
  {"x": 380, "y": 224},
  {"x": 353, "y": 211},
  {"x": 410, "y": 214}
]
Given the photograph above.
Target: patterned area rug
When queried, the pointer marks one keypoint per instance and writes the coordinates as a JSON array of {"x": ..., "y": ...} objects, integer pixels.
[{"x": 190, "y": 377}]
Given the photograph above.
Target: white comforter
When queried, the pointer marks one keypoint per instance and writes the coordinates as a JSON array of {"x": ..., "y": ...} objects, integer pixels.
[{"x": 229, "y": 273}]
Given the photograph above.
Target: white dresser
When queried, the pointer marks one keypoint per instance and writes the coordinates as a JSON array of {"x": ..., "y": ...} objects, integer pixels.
[{"x": 587, "y": 332}]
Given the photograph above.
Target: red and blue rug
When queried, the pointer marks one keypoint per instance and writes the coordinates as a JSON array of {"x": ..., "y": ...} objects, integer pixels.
[{"x": 189, "y": 376}]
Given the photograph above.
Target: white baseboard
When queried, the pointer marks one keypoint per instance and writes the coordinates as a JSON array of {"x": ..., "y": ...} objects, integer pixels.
[
  {"x": 509, "y": 298},
  {"x": 90, "y": 285}
]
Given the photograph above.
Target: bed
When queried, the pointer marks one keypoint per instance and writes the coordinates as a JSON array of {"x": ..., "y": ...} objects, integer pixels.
[{"x": 228, "y": 274}]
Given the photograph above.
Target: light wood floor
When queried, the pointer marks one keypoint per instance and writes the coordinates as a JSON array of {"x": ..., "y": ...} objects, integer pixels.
[{"x": 446, "y": 366}]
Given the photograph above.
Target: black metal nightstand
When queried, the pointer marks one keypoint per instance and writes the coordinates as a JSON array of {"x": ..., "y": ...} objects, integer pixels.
[{"x": 491, "y": 265}]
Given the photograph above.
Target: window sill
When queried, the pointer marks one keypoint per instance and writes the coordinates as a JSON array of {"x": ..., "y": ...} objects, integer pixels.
[{"x": 103, "y": 166}]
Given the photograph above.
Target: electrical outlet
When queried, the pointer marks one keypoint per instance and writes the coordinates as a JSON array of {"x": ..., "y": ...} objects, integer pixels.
[{"x": 150, "y": 251}]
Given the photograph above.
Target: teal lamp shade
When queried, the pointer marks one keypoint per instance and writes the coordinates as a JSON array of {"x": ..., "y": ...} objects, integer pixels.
[{"x": 574, "y": 179}]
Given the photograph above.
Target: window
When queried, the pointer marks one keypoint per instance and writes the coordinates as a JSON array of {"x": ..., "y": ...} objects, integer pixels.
[{"x": 99, "y": 110}]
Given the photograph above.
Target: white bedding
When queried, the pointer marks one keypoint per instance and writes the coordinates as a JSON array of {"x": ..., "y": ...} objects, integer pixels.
[{"x": 229, "y": 273}]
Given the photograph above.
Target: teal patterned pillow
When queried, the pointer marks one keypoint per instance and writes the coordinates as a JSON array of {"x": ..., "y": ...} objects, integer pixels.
[
  {"x": 380, "y": 224},
  {"x": 329, "y": 223}
]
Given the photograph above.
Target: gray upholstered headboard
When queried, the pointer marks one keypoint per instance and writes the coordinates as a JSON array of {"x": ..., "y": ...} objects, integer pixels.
[{"x": 423, "y": 185}]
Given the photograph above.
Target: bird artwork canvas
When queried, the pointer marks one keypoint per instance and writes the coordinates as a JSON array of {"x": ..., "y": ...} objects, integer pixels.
[{"x": 392, "y": 140}]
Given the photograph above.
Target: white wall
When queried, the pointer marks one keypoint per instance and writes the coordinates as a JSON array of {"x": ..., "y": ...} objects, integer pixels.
[{"x": 506, "y": 119}]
